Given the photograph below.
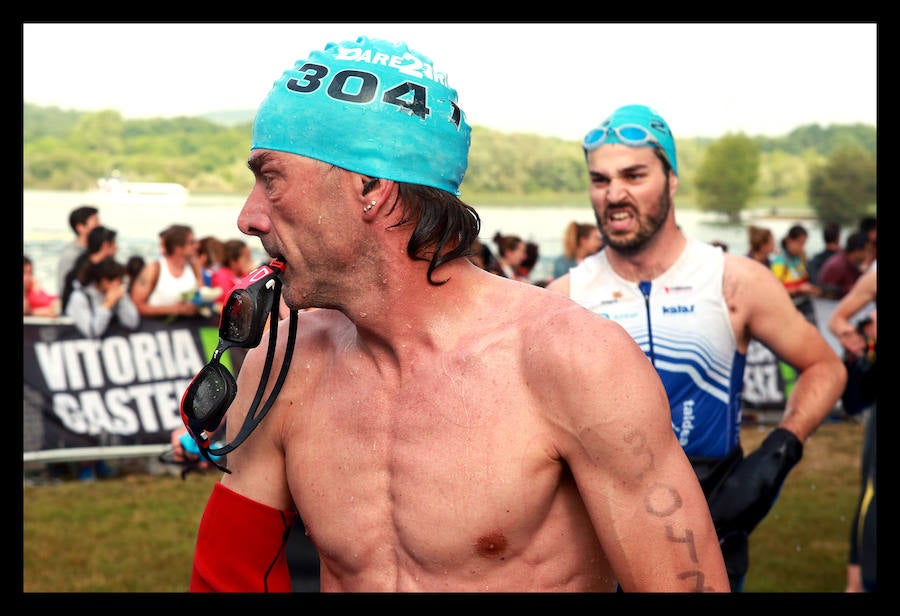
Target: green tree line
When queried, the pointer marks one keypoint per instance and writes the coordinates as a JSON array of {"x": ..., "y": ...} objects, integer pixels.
[{"x": 829, "y": 169}]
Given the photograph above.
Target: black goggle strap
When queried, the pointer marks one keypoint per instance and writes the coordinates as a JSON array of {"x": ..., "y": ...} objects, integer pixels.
[
  {"x": 251, "y": 420},
  {"x": 263, "y": 381}
]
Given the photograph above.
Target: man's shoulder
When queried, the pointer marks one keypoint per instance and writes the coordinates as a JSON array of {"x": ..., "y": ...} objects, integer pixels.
[
  {"x": 560, "y": 317},
  {"x": 741, "y": 268}
]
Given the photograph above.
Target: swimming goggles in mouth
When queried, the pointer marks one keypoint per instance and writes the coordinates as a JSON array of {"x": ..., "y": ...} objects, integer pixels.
[{"x": 241, "y": 324}]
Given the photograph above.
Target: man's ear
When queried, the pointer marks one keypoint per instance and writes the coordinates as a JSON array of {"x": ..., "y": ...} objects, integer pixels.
[
  {"x": 673, "y": 184},
  {"x": 374, "y": 189}
]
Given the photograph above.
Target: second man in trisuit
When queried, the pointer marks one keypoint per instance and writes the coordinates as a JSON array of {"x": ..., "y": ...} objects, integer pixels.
[{"x": 693, "y": 309}]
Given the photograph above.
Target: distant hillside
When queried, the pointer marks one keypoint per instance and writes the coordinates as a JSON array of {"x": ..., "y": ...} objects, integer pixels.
[{"x": 69, "y": 150}]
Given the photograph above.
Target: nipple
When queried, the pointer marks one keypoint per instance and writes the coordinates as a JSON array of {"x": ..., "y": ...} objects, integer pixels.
[{"x": 492, "y": 545}]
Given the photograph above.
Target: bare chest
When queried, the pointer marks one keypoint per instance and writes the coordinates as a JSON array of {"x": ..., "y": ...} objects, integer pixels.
[{"x": 436, "y": 475}]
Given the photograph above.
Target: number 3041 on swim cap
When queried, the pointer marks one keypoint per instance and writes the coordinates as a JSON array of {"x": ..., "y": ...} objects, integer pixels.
[{"x": 369, "y": 106}]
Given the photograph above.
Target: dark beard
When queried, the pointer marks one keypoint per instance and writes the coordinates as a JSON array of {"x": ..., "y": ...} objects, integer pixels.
[{"x": 648, "y": 227}]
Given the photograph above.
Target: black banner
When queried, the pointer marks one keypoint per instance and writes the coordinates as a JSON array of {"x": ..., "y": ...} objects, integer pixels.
[
  {"x": 122, "y": 389},
  {"x": 125, "y": 388},
  {"x": 767, "y": 381}
]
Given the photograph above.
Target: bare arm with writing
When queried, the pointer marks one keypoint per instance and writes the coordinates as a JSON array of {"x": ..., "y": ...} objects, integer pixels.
[{"x": 636, "y": 482}]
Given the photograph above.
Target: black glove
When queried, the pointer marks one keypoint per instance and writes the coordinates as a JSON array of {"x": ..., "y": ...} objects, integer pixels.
[{"x": 748, "y": 493}]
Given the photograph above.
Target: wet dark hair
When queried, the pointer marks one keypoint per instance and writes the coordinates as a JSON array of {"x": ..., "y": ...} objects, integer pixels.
[{"x": 445, "y": 227}]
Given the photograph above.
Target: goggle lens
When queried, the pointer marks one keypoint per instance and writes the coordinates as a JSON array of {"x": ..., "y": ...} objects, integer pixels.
[
  {"x": 634, "y": 134},
  {"x": 213, "y": 389},
  {"x": 238, "y": 318}
]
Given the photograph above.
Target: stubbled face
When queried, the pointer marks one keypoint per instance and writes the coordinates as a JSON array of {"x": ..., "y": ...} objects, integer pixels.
[
  {"x": 631, "y": 195},
  {"x": 298, "y": 207}
]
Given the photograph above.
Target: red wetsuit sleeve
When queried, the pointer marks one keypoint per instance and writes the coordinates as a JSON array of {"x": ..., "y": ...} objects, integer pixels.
[{"x": 241, "y": 545}]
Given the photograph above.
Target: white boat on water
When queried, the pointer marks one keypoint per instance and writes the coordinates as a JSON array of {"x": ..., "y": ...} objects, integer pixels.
[{"x": 114, "y": 190}]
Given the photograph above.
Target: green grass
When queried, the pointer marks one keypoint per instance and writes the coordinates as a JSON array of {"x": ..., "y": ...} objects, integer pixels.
[
  {"x": 801, "y": 546},
  {"x": 135, "y": 533}
]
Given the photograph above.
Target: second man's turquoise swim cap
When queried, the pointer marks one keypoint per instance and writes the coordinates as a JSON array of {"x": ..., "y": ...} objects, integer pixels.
[{"x": 636, "y": 126}]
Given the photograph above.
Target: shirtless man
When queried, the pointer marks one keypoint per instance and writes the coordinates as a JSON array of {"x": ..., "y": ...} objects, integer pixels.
[
  {"x": 694, "y": 309},
  {"x": 433, "y": 433}
]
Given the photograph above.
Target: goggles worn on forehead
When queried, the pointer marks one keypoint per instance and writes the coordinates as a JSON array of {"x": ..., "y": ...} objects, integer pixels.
[
  {"x": 241, "y": 324},
  {"x": 630, "y": 134}
]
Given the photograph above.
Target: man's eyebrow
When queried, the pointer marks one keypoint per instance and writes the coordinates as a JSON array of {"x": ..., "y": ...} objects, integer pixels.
[
  {"x": 635, "y": 167},
  {"x": 257, "y": 160},
  {"x": 624, "y": 170}
]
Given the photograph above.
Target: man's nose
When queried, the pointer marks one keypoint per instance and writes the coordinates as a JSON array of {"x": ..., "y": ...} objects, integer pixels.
[
  {"x": 253, "y": 218},
  {"x": 616, "y": 190}
]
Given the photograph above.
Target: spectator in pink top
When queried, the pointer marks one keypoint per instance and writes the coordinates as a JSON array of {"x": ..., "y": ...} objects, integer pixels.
[{"x": 37, "y": 302}]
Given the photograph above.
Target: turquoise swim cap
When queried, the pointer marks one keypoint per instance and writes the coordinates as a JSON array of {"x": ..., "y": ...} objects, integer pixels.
[
  {"x": 634, "y": 125},
  {"x": 372, "y": 107}
]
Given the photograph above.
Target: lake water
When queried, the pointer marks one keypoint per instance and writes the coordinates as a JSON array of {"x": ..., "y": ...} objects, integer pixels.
[{"x": 46, "y": 228}]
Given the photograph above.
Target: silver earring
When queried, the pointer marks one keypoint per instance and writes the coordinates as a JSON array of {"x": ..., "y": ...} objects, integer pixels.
[{"x": 369, "y": 207}]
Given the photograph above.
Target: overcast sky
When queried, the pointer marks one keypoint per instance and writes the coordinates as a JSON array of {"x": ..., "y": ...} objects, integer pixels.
[{"x": 553, "y": 79}]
